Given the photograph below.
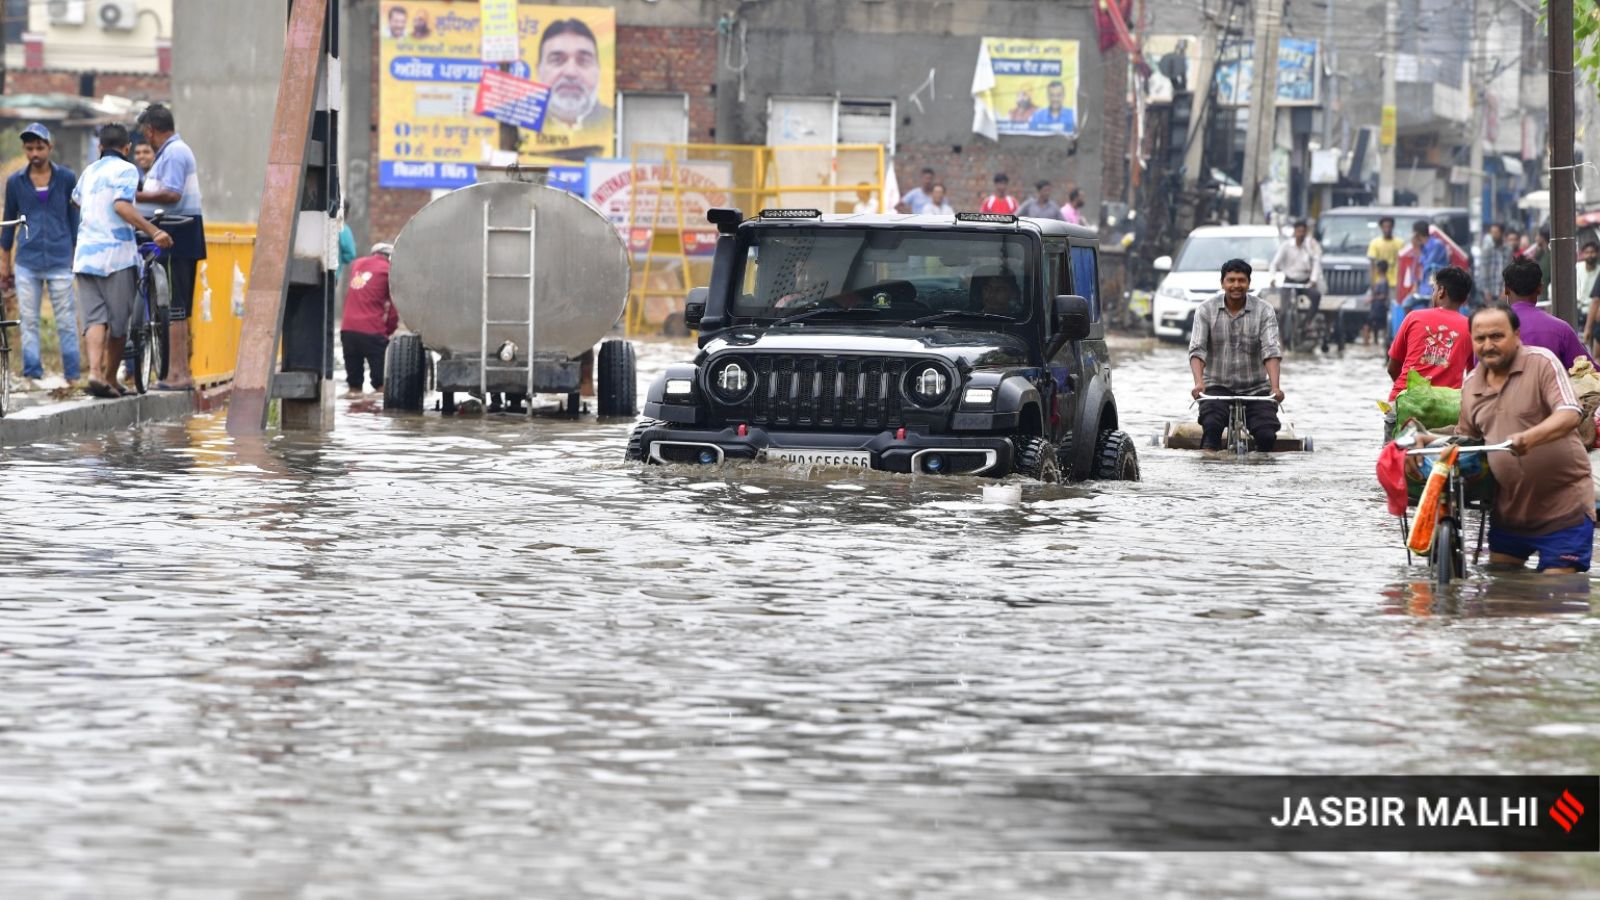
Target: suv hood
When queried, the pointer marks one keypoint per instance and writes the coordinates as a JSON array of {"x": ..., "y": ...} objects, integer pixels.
[{"x": 973, "y": 348}]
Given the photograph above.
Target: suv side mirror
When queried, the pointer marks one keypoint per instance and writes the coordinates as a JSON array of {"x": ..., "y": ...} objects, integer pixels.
[
  {"x": 1072, "y": 317},
  {"x": 1162, "y": 264},
  {"x": 694, "y": 308}
]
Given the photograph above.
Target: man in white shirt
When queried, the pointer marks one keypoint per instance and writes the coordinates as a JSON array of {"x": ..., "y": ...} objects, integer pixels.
[
  {"x": 1588, "y": 267},
  {"x": 935, "y": 205},
  {"x": 1300, "y": 261}
]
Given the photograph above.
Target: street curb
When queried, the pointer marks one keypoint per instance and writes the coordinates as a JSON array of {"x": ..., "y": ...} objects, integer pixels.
[{"x": 54, "y": 420}]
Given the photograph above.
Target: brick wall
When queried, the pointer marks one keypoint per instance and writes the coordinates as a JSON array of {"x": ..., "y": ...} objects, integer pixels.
[
  {"x": 648, "y": 59},
  {"x": 672, "y": 59},
  {"x": 41, "y": 81},
  {"x": 1115, "y": 125},
  {"x": 133, "y": 85},
  {"x": 968, "y": 175}
]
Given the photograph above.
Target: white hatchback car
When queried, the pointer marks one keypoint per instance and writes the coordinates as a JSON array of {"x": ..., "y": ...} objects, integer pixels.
[{"x": 1196, "y": 275}]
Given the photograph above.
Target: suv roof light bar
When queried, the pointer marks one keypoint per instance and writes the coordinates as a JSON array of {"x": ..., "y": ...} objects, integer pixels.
[
  {"x": 998, "y": 218},
  {"x": 791, "y": 214}
]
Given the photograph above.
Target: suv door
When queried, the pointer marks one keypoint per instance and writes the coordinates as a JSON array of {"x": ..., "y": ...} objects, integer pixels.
[{"x": 1066, "y": 367}]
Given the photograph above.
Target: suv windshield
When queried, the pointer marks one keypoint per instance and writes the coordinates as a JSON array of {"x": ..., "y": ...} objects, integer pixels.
[
  {"x": 877, "y": 275},
  {"x": 1348, "y": 235},
  {"x": 1207, "y": 253}
]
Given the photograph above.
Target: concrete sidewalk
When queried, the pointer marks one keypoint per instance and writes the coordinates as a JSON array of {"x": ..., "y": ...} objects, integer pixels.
[{"x": 88, "y": 415}]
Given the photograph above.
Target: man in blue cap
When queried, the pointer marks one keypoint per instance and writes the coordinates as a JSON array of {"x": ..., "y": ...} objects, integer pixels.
[{"x": 42, "y": 257}]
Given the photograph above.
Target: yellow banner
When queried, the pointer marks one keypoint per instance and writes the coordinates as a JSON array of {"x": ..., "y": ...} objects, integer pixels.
[
  {"x": 431, "y": 59},
  {"x": 1386, "y": 127},
  {"x": 1034, "y": 85}
]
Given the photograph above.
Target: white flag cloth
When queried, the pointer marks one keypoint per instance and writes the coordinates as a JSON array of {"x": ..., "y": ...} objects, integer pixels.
[
  {"x": 891, "y": 187},
  {"x": 982, "y": 83}
]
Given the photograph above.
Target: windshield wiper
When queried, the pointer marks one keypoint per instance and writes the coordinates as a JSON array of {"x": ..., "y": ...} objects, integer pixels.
[
  {"x": 959, "y": 313},
  {"x": 817, "y": 311}
]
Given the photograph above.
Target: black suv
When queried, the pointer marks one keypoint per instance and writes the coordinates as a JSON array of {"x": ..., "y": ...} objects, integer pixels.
[{"x": 945, "y": 346}]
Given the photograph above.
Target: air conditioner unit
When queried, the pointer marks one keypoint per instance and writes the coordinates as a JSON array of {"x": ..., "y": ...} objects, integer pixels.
[
  {"x": 66, "y": 12},
  {"x": 118, "y": 15}
]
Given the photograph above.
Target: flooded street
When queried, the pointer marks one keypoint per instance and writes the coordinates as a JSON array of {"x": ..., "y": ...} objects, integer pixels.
[{"x": 426, "y": 657}]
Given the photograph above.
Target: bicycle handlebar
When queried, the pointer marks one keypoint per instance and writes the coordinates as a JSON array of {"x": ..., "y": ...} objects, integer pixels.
[
  {"x": 1211, "y": 397},
  {"x": 20, "y": 220},
  {"x": 1482, "y": 448}
]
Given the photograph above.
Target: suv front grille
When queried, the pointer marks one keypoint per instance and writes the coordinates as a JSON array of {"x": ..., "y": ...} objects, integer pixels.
[
  {"x": 1346, "y": 282},
  {"x": 848, "y": 393}
]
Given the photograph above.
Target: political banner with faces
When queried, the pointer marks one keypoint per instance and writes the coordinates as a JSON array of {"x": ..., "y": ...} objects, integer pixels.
[{"x": 431, "y": 57}]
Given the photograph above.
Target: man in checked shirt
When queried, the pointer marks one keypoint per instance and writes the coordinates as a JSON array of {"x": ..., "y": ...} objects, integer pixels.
[{"x": 1234, "y": 351}]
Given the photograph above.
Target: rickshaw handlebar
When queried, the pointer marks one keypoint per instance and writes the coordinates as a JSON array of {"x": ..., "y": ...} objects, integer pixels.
[{"x": 1435, "y": 451}]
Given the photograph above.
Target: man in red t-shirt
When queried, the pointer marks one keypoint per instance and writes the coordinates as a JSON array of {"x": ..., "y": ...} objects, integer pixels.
[
  {"x": 1435, "y": 342},
  {"x": 1000, "y": 201},
  {"x": 369, "y": 318}
]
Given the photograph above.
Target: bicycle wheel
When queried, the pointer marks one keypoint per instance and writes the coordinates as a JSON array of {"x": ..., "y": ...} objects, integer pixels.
[
  {"x": 154, "y": 358},
  {"x": 140, "y": 336},
  {"x": 5, "y": 379},
  {"x": 1445, "y": 557},
  {"x": 1286, "y": 327},
  {"x": 1238, "y": 436}
]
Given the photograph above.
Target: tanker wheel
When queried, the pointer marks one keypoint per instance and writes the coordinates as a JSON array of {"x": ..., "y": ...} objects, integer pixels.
[
  {"x": 406, "y": 375},
  {"x": 619, "y": 379},
  {"x": 447, "y": 402},
  {"x": 574, "y": 405}
]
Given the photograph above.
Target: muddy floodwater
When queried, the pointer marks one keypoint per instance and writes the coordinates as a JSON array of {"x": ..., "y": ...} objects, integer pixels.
[{"x": 421, "y": 657}]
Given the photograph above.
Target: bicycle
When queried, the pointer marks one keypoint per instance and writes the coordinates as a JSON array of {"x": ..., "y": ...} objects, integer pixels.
[
  {"x": 1299, "y": 325},
  {"x": 147, "y": 340},
  {"x": 1238, "y": 433},
  {"x": 1446, "y": 555},
  {"x": 21, "y": 222}
]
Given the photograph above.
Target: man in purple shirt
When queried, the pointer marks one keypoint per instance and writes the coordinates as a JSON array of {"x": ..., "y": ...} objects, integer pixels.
[{"x": 1523, "y": 281}]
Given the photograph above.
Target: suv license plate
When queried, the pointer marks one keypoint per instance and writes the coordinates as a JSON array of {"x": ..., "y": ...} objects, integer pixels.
[{"x": 857, "y": 459}]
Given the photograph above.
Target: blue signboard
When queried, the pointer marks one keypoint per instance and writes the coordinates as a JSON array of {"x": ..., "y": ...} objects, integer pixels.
[
  {"x": 569, "y": 178},
  {"x": 426, "y": 175},
  {"x": 512, "y": 101},
  {"x": 1298, "y": 81}
]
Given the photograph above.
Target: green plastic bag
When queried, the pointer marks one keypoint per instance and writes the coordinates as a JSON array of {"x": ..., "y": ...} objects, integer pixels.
[{"x": 1434, "y": 407}]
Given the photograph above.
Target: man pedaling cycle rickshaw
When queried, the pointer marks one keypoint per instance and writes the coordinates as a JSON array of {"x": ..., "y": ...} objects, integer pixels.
[
  {"x": 1234, "y": 351},
  {"x": 1519, "y": 397}
]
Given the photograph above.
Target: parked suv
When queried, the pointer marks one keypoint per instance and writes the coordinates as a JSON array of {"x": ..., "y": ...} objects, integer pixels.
[
  {"x": 939, "y": 345},
  {"x": 1346, "y": 231}
]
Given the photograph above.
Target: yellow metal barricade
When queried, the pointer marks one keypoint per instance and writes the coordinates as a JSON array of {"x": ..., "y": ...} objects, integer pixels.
[
  {"x": 220, "y": 284},
  {"x": 672, "y": 185}
]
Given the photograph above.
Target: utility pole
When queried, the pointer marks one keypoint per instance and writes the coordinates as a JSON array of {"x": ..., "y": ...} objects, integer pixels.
[
  {"x": 1391, "y": 121},
  {"x": 290, "y": 300},
  {"x": 1263, "y": 109},
  {"x": 1563, "y": 205},
  {"x": 1201, "y": 85},
  {"x": 1330, "y": 93},
  {"x": 1477, "y": 93}
]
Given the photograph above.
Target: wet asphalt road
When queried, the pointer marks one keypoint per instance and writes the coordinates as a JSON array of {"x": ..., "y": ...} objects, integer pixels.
[{"x": 425, "y": 657}]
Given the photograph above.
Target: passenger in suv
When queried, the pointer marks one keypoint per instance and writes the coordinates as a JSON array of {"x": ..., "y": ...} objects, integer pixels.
[{"x": 921, "y": 345}]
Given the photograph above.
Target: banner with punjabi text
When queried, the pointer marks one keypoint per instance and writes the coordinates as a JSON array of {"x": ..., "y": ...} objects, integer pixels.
[{"x": 430, "y": 55}]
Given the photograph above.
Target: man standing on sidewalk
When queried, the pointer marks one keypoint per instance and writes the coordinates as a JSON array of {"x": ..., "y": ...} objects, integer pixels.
[
  {"x": 105, "y": 258},
  {"x": 369, "y": 318},
  {"x": 174, "y": 185},
  {"x": 43, "y": 258}
]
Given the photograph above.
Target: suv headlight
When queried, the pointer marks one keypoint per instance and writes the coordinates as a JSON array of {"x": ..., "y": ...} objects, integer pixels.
[
  {"x": 927, "y": 385},
  {"x": 732, "y": 381},
  {"x": 1171, "y": 290}
]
